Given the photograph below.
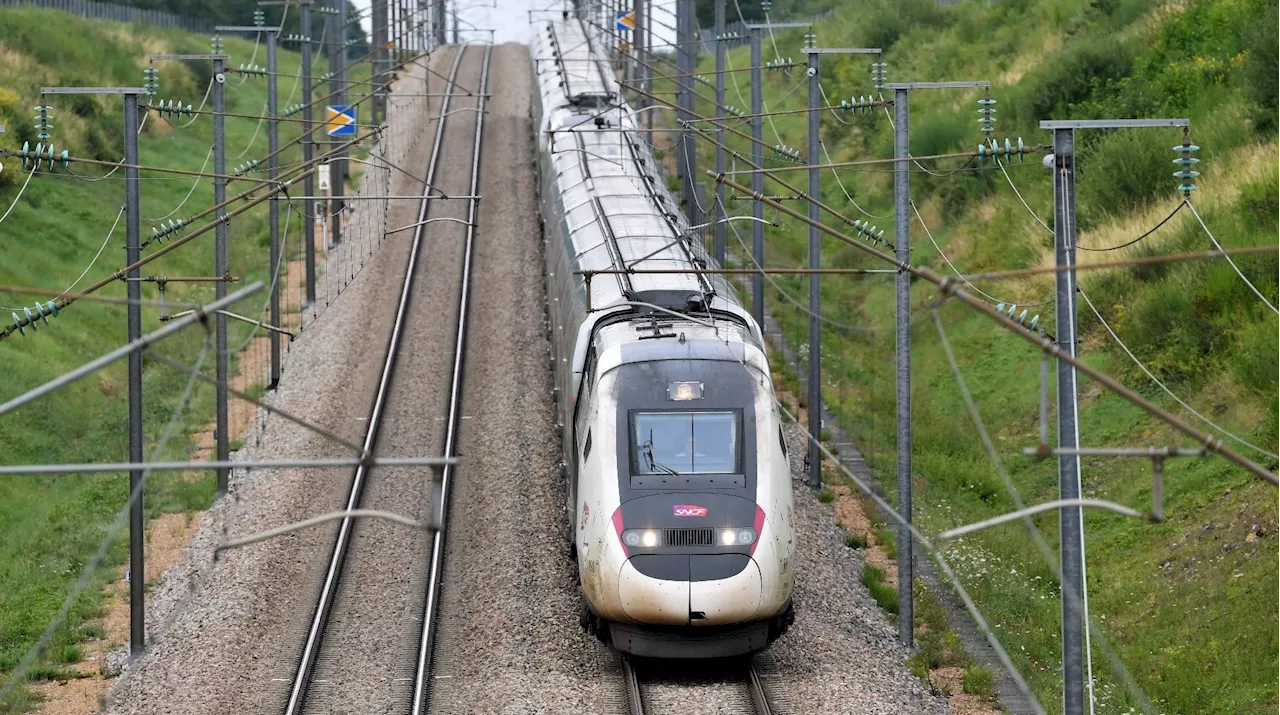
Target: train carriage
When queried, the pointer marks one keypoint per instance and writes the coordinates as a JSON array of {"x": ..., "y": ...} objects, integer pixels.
[{"x": 679, "y": 491}]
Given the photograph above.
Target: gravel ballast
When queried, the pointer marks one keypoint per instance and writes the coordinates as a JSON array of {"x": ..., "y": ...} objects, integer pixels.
[{"x": 232, "y": 630}]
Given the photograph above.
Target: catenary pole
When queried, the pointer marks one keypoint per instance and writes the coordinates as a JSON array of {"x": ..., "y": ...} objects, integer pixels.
[
  {"x": 815, "y": 295},
  {"x": 308, "y": 147},
  {"x": 718, "y": 209},
  {"x": 902, "y": 353},
  {"x": 221, "y": 259},
  {"x": 1071, "y": 554},
  {"x": 273, "y": 169},
  {"x": 378, "y": 19},
  {"x": 1070, "y": 527},
  {"x": 133, "y": 331},
  {"x": 757, "y": 179},
  {"x": 338, "y": 85}
]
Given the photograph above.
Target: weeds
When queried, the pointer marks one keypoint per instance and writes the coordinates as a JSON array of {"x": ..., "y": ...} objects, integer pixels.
[{"x": 885, "y": 593}]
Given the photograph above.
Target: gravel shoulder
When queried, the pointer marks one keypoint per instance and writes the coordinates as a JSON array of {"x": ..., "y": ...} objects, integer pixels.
[
  {"x": 841, "y": 655},
  {"x": 226, "y": 631}
]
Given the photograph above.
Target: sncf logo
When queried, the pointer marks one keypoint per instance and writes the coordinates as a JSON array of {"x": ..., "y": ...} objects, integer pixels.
[{"x": 689, "y": 510}]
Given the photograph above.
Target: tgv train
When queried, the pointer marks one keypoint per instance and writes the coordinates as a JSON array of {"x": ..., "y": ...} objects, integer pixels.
[{"x": 680, "y": 494}]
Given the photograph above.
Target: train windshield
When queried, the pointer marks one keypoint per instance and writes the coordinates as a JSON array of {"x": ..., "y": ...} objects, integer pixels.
[{"x": 679, "y": 443}]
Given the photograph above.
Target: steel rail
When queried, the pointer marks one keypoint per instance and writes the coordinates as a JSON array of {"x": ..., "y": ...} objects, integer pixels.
[
  {"x": 328, "y": 592},
  {"x": 751, "y": 680},
  {"x": 635, "y": 703},
  {"x": 421, "y": 689},
  {"x": 756, "y": 685}
]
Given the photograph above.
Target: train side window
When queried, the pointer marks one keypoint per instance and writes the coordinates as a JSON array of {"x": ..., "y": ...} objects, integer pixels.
[
  {"x": 586, "y": 450},
  {"x": 782, "y": 440}
]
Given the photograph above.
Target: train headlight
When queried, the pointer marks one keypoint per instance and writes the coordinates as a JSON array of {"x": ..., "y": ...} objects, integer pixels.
[
  {"x": 640, "y": 537},
  {"x": 737, "y": 537}
]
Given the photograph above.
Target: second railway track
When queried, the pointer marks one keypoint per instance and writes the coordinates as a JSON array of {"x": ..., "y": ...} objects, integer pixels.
[{"x": 366, "y": 643}]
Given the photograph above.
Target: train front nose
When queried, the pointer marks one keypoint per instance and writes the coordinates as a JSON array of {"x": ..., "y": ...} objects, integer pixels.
[
  {"x": 689, "y": 589},
  {"x": 689, "y": 559}
]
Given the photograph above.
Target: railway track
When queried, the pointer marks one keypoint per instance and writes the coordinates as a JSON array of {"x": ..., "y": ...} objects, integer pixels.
[
  {"x": 342, "y": 607},
  {"x": 733, "y": 688}
]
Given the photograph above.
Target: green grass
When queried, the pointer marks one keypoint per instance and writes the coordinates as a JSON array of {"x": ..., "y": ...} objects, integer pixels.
[
  {"x": 53, "y": 524},
  {"x": 1191, "y": 604},
  {"x": 885, "y": 593}
]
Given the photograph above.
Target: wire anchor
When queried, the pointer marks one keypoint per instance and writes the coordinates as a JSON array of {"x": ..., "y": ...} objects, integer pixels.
[
  {"x": 778, "y": 65},
  {"x": 247, "y": 167},
  {"x": 252, "y": 71},
  {"x": 729, "y": 37},
  {"x": 1185, "y": 161},
  {"x": 43, "y": 311},
  {"x": 293, "y": 109}
]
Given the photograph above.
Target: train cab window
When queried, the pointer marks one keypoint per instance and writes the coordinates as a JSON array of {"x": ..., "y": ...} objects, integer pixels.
[{"x": 678, "y": 443}]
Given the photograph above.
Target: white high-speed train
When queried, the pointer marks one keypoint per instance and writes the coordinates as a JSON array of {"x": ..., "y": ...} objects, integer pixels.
[{"x": 679, "y": 489}]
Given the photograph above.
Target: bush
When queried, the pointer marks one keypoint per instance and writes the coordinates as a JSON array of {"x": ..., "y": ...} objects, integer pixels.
[
  {"x": 1120, "y": 171},
  {"x": 1261, "y": 86},
  {"x": 855, "y": 541},
  {"x": 826, "y": 496},
  {"x": 1260, "y": 202},
  {"x": 1087, "y": 68}
]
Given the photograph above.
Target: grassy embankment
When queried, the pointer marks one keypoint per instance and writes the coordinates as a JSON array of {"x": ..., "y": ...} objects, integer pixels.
[
  {"x": 1191, "y": 604},
  {"x": 52, "y": 525}
]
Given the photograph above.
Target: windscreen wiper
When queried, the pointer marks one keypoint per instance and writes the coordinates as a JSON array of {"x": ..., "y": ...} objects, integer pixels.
[{"x": 652, "y": 463}]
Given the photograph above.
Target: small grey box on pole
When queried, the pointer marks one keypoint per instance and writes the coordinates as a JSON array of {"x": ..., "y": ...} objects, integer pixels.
[
  {"x": 718, "y": 212},
  {"x": 273, "y": 164},
  {"x": 221, "y": 259},
  {"x": 308, "y": 149},
  {"x": 902, "y": 334},
  {"x": 133, "y": 331}
]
